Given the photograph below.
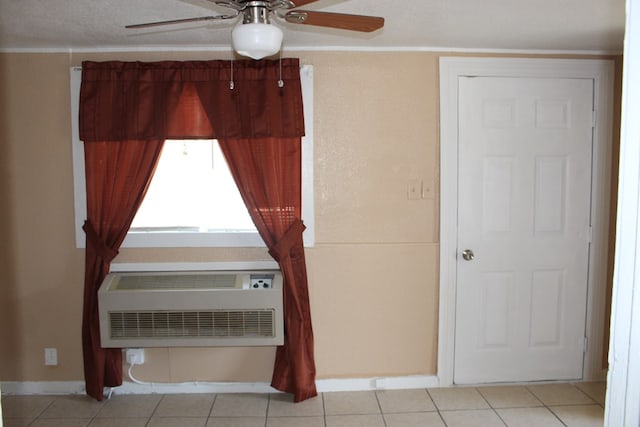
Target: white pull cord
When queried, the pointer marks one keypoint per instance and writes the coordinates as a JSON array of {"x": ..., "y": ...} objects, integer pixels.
[
  {"x": 232, "y": 84},
  {"x": 281, "y": 82}
]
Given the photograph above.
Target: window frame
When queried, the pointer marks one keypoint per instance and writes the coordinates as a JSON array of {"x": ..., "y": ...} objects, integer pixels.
[{"x": 193, "y": 239}]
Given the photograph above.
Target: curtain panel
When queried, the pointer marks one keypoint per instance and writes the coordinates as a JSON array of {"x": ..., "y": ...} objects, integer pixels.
[
  {"x": 268, "y": 173},
  {"x": 127, "y": 110},
  {"x": 118, "y": 174}
]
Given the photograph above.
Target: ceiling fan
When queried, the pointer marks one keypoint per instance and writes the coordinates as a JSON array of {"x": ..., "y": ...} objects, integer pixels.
[{"x": 257, "y": 38}]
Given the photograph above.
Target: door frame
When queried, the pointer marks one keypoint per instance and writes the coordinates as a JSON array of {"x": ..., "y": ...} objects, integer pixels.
[{"x": 602, "y": 72}]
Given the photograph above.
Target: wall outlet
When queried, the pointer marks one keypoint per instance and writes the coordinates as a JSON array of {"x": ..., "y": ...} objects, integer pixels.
[
  {"x": 51, "y": 357},
  {"x": 135, "y": 356}
]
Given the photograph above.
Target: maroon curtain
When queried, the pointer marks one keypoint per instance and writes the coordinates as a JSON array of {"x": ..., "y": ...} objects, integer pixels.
[
  {"x": 268, "y": 174},
  {"x": 128, "y": 108},
  {"x": 117, "y": 177}
]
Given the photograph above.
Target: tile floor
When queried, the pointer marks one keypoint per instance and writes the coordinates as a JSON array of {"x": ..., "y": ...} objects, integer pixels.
[{"x": 549, "y": 405}]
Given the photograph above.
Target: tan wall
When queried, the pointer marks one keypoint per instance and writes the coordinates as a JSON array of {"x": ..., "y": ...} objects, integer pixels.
[
  {"x": 42, "y": 271},
  {"x": 373, "y": 273}
]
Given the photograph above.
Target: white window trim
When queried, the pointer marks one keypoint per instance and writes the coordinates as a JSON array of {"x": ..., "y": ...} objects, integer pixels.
[{"x": 159, "y": 240}]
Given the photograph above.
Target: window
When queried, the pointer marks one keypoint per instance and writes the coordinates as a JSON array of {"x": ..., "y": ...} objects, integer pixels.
[
  {"x": 183, "y": 205},
  {"x": 192, "y": 191}
]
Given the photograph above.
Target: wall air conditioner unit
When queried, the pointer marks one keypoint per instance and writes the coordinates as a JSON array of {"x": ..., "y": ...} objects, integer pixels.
[{"x": 191, "y": 309}]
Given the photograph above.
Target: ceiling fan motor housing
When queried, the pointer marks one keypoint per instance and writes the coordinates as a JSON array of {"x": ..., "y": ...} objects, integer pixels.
[{"x": 256, "y": 12}]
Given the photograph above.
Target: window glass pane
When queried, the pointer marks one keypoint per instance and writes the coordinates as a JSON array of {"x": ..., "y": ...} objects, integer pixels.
[{"x": 192, "y": 191}]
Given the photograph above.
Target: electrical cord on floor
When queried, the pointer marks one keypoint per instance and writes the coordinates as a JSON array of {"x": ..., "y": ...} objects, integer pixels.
[{"x": 133, "y": 379}]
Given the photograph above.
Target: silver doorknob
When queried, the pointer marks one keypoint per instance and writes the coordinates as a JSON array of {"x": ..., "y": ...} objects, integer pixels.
[{"x": 468, "y": 255}]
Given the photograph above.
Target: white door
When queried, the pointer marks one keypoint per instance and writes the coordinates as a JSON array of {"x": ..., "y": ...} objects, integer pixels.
[{"x": 525, "y": 147}]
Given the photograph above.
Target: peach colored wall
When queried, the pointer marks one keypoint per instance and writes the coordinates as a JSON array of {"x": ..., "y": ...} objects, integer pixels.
[
  {"x": 373, "y": 273},
  {"x": 41, "y": 269}
]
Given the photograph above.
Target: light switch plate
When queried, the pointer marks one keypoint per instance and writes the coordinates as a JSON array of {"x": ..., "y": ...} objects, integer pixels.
[{"x": 414, "y": 189}]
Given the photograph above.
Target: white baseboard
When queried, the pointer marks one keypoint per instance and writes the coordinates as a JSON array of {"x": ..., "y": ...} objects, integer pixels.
[
  {"x": 388, "y": 383},
  {"x": 128, "y": 387},
  {"x": 42, "y": 387}
]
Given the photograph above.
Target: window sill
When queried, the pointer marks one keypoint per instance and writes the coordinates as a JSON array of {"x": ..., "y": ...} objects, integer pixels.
[{"x": 192, "y": 240}]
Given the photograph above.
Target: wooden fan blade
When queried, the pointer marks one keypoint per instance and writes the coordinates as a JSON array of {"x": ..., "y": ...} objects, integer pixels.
[
  {"x": 180, "y": 21},
  {"x": 298, "y": 3},
  {"x": 342, "y": 21}
]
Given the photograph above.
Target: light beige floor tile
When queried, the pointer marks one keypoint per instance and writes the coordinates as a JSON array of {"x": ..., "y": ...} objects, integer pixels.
[
  {"x": 295, "y": 422},
  {"x": 351, "y": 403},
  {"x": 355, "y": 421},
  {"x": 509, "y": 397},
  {"x": 560, "y": 394},
  {"x": 580, "y": 415},
  {"x": 240, "y": 405},
  {"x": 451, "y": 399},
  {"x": 25, "y": 406},
  {"x": 130, "y": 406},
  {"x": 476, "y": 418},
  {"x": 595, "y": 390},
  {"x": 393, "y": 401},
  {"x": 17, "y": 422},
  {"x": 60, "y": 422},
  {"x": 178, "y": 422},
  {"x": 119, "y": 422},
  {"x": 414, "y": 419},
  {"x": 236, "y": 422},
  {"x": 529, "y": 417},
  {"x": 282, "y": 405},
  {"x": 185, "y": 405},
  {"x": 73, "y": 406}
]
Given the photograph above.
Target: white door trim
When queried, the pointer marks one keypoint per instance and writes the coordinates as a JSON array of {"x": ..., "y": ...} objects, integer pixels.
[
  {"x": 622, "y": 406},
  {"x": 602, "y": 72}
]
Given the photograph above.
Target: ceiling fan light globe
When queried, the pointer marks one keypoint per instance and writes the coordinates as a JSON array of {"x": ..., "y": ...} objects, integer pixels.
[{"x": 256, "y": 40}]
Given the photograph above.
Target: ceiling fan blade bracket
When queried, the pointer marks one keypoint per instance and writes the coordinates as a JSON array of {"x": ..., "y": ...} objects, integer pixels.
[
  {"x": 182, "y": 21},
  {"x": 281, "y": 4},
  {"x": 296, "y": 17},
  {"x": 230, "y": 4}
]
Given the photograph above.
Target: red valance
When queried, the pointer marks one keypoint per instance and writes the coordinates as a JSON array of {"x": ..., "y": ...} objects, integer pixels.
[{"x": 241, "y": 99}]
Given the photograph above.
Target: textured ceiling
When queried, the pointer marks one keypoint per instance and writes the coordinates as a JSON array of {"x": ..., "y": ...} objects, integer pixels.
[{"x": 534, "y": 25}]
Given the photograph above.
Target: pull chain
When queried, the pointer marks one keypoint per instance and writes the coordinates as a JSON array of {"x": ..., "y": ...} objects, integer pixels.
[
  {"x": 280, "y": 82},
  {"x": 232, "y": 85}
]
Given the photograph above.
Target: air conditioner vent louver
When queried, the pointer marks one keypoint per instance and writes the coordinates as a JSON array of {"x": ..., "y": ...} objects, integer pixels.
[
  {"x": 192, "y": 281},
  {"x": 192, "y": 324},
  {"x": 191, "y": 309}
]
